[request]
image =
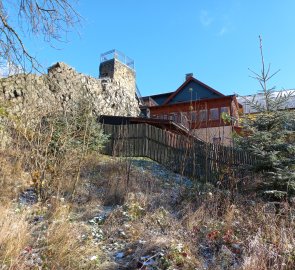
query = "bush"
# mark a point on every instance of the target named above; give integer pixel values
(53, 145)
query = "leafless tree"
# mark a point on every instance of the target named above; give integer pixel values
(49, 19)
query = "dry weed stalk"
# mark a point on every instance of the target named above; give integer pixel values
(14, 235)
(64, 246)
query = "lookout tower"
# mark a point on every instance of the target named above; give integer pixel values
(118, 67)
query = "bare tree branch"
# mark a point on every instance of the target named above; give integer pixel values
(51, 19)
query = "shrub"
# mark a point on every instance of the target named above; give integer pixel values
(53, 145)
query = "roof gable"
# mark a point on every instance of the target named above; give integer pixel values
(192, 89)
(159, 98)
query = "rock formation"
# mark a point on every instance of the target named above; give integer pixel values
(113, 93)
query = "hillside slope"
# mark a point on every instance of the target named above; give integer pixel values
(134, 214)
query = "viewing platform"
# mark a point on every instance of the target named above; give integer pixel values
(115, 54)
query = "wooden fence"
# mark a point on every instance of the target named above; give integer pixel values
(182, 154)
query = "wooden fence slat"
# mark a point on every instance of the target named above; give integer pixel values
(180, 153)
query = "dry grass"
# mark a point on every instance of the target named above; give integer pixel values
(150, 216)
(265, 235)
(116, 179)
(64, 247)
(12, 177)
(62, 240)
(243, 227)
(270, 239)
(14, 235)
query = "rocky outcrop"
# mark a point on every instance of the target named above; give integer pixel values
(63, 87)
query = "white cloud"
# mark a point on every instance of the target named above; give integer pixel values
(226, 25)
(222, 22)
(205, 19)
(223, 31)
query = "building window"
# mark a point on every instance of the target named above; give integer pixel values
(203, 115)
(194, 116)
(224, 110)
(214, 114)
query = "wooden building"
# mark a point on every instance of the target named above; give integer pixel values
(207, 113)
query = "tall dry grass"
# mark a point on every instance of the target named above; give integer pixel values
(14, 236)
(62, 245)
(13, 179)
(262, 234)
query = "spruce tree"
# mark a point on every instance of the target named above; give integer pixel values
(270, 135)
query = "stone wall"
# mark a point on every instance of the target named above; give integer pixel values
(63, 87)
(119, 72)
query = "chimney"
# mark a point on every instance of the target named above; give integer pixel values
(188, 75)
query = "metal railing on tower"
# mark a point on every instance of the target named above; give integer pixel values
(115, 54)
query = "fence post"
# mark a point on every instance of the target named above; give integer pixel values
(186, 155)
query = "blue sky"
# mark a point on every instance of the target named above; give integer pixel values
(216, 40)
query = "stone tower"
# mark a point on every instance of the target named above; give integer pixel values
(120, 69)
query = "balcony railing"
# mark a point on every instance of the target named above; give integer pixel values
(114, 54)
